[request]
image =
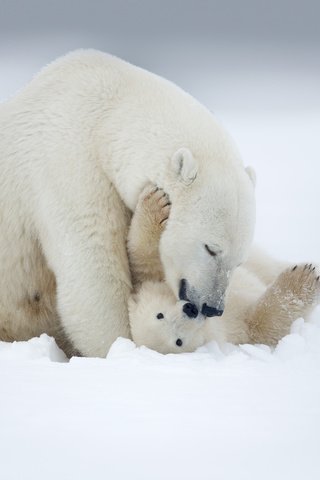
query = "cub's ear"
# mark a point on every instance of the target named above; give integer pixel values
(184, 165)
(252, 175)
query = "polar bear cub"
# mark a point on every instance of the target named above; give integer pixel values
(262, 301)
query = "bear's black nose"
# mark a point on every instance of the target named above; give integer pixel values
(210, 311)
(183, 289)
(190, 310)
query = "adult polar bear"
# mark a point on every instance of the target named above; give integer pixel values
(77, 146)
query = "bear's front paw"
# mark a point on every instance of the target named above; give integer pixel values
(155, 206)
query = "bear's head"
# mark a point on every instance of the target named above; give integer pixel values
(158, 321)
(210, 227)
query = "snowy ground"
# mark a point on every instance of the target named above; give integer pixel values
(242, 413)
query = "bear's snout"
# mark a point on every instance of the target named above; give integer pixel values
(210, 311)
(190, 310)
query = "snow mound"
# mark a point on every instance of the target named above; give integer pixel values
(40, 348)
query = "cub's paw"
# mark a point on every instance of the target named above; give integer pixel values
(300, 284)
(154, 205)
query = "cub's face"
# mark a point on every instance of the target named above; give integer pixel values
(158, 322)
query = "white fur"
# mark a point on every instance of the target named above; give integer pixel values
(161, 334)
(86, 123)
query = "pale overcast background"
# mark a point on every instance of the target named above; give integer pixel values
(255, 64)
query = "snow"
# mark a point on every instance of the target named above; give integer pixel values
(240, 412)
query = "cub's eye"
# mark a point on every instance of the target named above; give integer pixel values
(179, 342)
(160, 316)
(211, 252)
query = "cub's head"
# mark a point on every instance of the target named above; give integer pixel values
(210, 227)
(161, 323)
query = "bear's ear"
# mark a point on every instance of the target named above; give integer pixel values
(252, 175)
(184, 165)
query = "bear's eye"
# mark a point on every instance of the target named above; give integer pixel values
(211, 252)
(179, 342)
(160, 316)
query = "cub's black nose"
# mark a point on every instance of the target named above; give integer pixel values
(210, 311)
(190, 310)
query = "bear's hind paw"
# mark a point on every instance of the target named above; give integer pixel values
(300, 283)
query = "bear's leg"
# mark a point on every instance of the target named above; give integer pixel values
(292, 295)
(84, 242)
(147, 224)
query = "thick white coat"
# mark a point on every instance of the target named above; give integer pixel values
(77, 146)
